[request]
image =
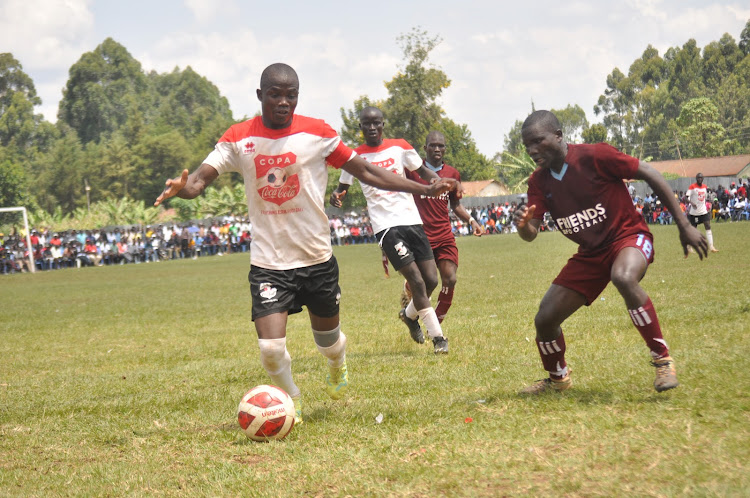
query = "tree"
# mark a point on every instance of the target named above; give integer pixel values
(744, 45)
(702, 135)
(573, 121)
(516, 169)
(104, 87)
(411, 109)
(594, 134)
(461, 152)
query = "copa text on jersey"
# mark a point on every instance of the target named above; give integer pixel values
(582, 219)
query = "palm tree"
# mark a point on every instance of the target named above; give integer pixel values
(517, 168)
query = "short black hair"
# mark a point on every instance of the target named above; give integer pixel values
(545, 118)
(370, 108)
(269, 75)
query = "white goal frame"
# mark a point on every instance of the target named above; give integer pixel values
(32, 266)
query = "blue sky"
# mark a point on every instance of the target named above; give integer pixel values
(500, 56)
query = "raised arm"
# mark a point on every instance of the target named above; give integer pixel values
(382, 179)
(188, 186)
(689, 236)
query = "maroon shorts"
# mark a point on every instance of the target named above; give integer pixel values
(589, 273)
(446, 250)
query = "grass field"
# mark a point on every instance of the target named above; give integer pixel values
(125, 381)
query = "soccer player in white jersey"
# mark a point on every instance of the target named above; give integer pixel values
(397, 224)
(698, 211)
(282, 158)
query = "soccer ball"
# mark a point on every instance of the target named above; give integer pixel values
(266, 413)
(276, 177)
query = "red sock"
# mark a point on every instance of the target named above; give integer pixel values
(445, 299)
(553, 356)
(645, 320)
(385, 265)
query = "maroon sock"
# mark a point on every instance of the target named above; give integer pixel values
(385, 265)
(553, 356)
(645, 320)
(445, 299)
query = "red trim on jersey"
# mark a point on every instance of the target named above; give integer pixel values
(300, 124)
(387, 143)
(255, 128)
(340, 156)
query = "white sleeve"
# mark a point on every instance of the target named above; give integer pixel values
(224, 158)
(412, 161)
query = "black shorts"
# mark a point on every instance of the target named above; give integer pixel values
(404, 244)
(279, 291)
(697, 219)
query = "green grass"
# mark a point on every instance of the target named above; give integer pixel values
(125, 381)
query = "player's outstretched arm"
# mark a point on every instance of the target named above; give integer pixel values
(689, 236)
(527, 225)
(338, 194)
(466, 217)
(384, 180)
(188, 186)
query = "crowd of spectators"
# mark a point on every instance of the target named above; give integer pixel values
(164, 242)
(123, 245)
(725, 204)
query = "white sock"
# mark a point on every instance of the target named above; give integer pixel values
(710, 237)
(278, 364)
(411, 311)
(336, 354)
(431, 322)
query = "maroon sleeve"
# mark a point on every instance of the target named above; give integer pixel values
(536, 196)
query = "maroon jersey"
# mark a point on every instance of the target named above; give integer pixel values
(588, 200)
(434, 210)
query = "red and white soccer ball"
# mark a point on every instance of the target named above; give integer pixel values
(266, 413)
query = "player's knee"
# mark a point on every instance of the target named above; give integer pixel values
(430, 284)
(273, 354)
(546, 324)
(624, 278)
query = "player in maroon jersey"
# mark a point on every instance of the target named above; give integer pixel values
(437, 223)
(582, 187)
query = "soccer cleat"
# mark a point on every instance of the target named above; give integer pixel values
(441, 345)
(713, 249)
(666, 374)
(405, 295)
(414, 329)
(297, 411)
(337, 381)
(549, 384)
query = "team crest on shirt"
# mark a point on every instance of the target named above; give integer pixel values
(267, 292)
(401, 249)
(275, 184)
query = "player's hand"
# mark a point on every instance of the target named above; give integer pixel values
(438, 187)
(523, 214)
(691, 237)
(335, 199)
(478, 230)
(173, 185)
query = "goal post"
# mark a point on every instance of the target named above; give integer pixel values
(32, 267)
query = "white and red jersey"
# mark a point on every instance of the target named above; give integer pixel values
(285, 182)
(696, 196)
(389, 209)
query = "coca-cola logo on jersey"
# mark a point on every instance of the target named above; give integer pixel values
(275, 184)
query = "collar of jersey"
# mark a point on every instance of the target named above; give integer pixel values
(559, 176)
(433, 168)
